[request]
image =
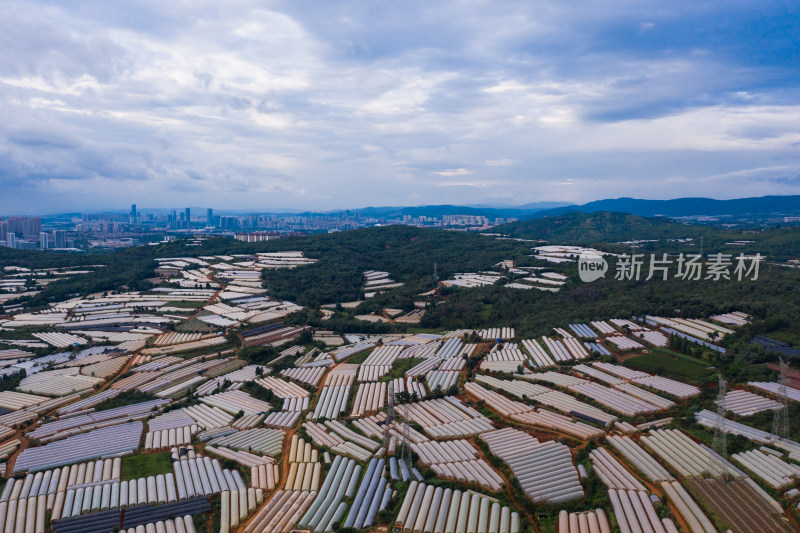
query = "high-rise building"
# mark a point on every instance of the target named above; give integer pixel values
(44, 240)
(23, 226)
(188, 217)
(60, 238)
(11, 240)
(209, 217)
(228, 222)
(133, 214)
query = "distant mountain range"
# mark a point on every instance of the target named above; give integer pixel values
(678, 207)
(440, 210)
(686, 207)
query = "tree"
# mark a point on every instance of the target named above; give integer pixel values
(306, 337)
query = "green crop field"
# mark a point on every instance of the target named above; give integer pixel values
(359, 357)
(400, 366)
(669, 367)
(151, 464)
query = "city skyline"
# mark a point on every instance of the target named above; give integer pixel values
(326, 107)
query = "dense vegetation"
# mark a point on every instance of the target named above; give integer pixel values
(260, 393)
(409, 255)
(587, 228)
(777, 244)
(258, 355)
(125, 398)
(10, 383)
(130, 267)
(776, 294)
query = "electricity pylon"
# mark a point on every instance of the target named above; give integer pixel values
(780, 421)
(719, 459)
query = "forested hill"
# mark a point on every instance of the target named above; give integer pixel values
(683, 207)
(588, 228)
(408, 253)
(776, 244)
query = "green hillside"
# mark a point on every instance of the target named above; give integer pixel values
(407, 253)
(587, 228)
(774, 243)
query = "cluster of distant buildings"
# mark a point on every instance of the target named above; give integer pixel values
(25, 233)
(316, 222)
(209, 222)
(473, 221)
(118, 230)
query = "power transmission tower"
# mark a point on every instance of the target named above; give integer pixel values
(405, 449)
(390, 417)
(720, 444)
(780, 421)
(435, 272)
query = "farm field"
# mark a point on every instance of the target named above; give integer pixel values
(738, 506)
(137, 466)
(257, 413)
(667, 366)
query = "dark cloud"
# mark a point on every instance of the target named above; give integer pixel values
(41, 141)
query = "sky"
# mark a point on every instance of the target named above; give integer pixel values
(327, 105)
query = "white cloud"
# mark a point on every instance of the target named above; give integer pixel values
(468, 184)
(500, 162)
(454, 172)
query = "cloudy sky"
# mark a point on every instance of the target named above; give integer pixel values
(323, 105)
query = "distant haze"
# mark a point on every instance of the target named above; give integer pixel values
(318, 105)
